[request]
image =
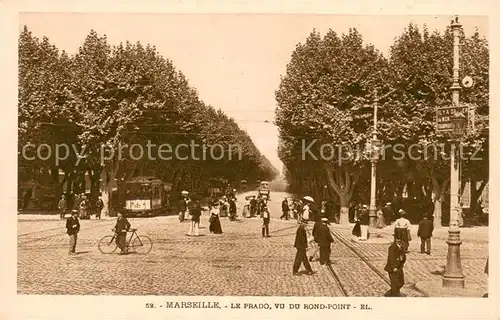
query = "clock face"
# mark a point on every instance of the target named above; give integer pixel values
(467, 82)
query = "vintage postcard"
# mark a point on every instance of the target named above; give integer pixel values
(249, 162)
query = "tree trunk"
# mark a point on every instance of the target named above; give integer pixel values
(438, 202)
(344, 209)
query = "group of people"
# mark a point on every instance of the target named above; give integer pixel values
(254, 205)
(121, 228)
(319, 239)
(82, 205)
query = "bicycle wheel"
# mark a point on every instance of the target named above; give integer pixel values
(107, 244)
(142, 245)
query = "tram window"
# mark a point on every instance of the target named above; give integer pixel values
(156, 192)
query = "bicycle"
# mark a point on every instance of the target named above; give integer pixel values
(140, 245)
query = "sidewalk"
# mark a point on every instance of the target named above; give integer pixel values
(474, 234)
(46, 215)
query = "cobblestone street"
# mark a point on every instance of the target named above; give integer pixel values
(239, 262)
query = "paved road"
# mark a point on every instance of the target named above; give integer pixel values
(239, 262)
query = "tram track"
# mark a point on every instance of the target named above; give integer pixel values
(362, 257)
(40, 235)
(365, 260)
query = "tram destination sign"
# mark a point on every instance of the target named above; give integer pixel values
(444, 117)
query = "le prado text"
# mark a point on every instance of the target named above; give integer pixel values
(256, 306)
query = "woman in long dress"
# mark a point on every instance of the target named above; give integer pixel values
(215, 226)
(246, 208)
(402, 229)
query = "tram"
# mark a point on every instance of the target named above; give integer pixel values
(144, 196)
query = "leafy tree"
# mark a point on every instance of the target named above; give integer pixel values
(421, 64)
(326, 99)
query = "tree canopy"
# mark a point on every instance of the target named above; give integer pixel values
(104, 97)
(328, 94)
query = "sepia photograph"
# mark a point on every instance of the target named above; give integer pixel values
(253, 155)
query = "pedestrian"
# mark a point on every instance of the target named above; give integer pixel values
(182, 209)
(253, 206)
(324, 239)
(306, 210)
(195, 219)
(215, 226)
(388, 214)
(301, 246)
(62, 206)
(232, 209)
(121, 228)
(72, 229)
(356, 231)
(313, 242)
(396, 259)
(380, 219)
(266, 218)
(425, 228)
(402, 229)
(76, 202)
(295, 209)
(285, 209)
(246, 208)
(82, 207)
(99, 207)
(224, 207)
(364, 220)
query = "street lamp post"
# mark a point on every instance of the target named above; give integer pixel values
(375, 150)
(453, 276)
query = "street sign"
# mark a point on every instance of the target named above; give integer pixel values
(444, 116)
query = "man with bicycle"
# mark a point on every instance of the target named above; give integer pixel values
(121, 228)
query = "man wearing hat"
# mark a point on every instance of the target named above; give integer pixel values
(301, 246)
(425, 228)
(324, 239)
(72, 229)
(121, 228)
(396, 259)
(266, 218)
(402, 229)
(387, 212)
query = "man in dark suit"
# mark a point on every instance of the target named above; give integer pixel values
(324, 239)
(285, 209)
(121, 228)
(72, 229)
(301, 246)
(266, 219)
(232, 209)
(253, 206)
(425, 228)
(396, 259)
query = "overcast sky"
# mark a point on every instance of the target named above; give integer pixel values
(234, 61)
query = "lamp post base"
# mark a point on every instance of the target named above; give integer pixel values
(453, 282)
(453, 276)
(372, 226)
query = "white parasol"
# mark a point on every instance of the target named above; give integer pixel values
(308, 198)
(184, 192)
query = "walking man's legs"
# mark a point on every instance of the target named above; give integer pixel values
(196, 228)
(72, 243)
(422, 245)
(301, 258)
(322, 255)
(191, 228)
